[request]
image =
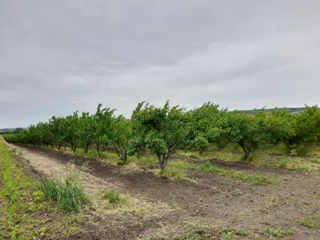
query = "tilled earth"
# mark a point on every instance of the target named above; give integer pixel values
(213, 202)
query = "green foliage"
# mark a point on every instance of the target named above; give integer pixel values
(196, 234)
(311, 221)
(227, 236)
(295, 129)
(206, 126)
(68, 193)
(52, 189)
(248, 131)
(174, 174)
(114, 198)
(278, 232)
(200, 143)
(120, 136)
(161, 131)
(237, 175)
(24, 210)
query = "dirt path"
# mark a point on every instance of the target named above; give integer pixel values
(51, 168)
(227, 203)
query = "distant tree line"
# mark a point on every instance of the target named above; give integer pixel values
(10, 130)
(161, 131)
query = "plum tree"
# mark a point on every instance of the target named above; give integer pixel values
(160, 130)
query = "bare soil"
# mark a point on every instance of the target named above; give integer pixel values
(209, 200)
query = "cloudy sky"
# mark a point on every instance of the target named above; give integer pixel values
(65, 55)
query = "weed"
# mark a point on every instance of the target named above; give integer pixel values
(252, 178)
(196, 234)
(52, 189)
(227, 236)
(283, 163)
(68, 193)
(278, 232)
(174, 174)
(114, 197)
(311, 222)
(23, 209)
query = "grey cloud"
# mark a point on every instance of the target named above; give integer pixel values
(60, 56)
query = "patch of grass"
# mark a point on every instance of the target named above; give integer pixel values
(229, 156)
(52, 189)
(196, 234)
(305, 158)
(114, 197)
(295, 163)
(278, 232)
(227, 236)
(234, 231)
(68, 193)
(237, 175)
(144, 159)
(24, 212)
(173, 174)
(311, 221)
(180, 163)
(125, 203)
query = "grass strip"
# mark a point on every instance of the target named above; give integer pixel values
(254, 179)
(24, 211)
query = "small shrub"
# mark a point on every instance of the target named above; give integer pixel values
(114, 197)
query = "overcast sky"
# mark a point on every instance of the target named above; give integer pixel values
(65, 55)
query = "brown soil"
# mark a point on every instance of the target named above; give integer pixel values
(211, 200)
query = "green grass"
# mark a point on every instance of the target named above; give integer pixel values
(114, 198)
(52, 189)
(171, 173)
(311, 221)
(227, 236)
(68, 193)
(278, 232)
(196, 234)
(24, 212)
(237, 175)
(265, 157)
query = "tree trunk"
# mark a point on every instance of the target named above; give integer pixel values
(124, 156)
(74, 148)
(59, 147)
(201, 150)
(99, 150)
(246, 152)
(86, 149)
(289, 148)
(163, 159)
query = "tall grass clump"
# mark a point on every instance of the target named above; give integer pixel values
(114, 198)
(68, 193)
